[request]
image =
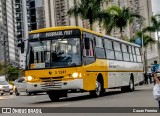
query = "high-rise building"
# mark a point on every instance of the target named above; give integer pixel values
(36, 16)
(22, 27)
(142, 7)
(56, 13)
(9, 51)
(29, 16)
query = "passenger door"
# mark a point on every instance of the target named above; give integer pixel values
(21, 85)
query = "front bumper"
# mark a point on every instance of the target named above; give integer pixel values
(6, 91)
(58, 85)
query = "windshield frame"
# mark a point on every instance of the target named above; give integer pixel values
(51, 39)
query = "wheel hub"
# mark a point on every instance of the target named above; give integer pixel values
(98, 88)
(131, 84)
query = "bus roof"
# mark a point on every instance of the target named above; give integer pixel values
(58, 28)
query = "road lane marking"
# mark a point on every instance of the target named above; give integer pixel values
(7, 97)
(62, 105)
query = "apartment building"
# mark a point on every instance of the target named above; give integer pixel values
(29, 16)
(9, 51)
(56, 13)
(22, 27)
(35, 12)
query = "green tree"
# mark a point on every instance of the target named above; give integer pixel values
(146, 41)
(13, 73)
(155, 27)
(2, 68)
(122, 17)
(106, 20)
(87, 9)
(146, 38)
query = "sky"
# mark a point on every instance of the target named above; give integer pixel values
(156, 6)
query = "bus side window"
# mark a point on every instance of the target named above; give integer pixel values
(117, 48)
(125, 52)
(138, 54)
(88, 48)
(134, 54)
(130, 53)
(99, 48)
(88, 51)
(108, 44)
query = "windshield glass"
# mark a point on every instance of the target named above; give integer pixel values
(3, 83)
(54, 53)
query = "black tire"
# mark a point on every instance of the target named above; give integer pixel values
(11, 93)
(16, 92)
(29, 93)
(2, 93)
(130, 87)
(98, 90)
(34, 93)
(53, 97)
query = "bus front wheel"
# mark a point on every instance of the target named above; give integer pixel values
(98, 90)
(53, 96)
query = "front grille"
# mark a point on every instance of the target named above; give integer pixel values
(51, 82)
(50, 79)
(51, 85)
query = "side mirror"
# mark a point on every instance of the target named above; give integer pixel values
(87, 44)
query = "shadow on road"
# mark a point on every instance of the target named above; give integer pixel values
(37, 94)
(84, 97)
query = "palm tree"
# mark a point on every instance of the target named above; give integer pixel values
(106, 20)
(122, 16)
(87, 9)
(146, 41)
(155, 27)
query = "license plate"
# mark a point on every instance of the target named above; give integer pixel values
(6, 90)
(49, 84)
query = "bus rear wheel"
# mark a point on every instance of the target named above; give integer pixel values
(98, 90)
(130, 87)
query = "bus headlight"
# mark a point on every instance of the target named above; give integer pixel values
(29, 78)
(75, 75)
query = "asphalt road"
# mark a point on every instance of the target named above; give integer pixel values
(142, 97)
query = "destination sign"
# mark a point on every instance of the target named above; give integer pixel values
(55, 34)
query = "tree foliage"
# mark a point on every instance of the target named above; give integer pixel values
(87, 9)
(146, 39)
(11, 72)
(155, 27)
(121, 17)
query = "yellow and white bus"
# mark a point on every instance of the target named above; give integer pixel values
(60, 59)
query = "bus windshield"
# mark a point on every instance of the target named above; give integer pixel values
(54, 53)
